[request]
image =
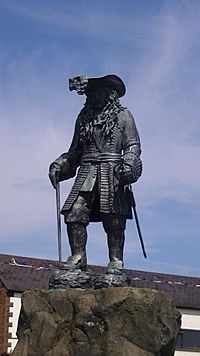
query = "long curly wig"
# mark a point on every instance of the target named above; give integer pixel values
(105, 120)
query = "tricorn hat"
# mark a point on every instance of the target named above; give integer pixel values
(83, 84)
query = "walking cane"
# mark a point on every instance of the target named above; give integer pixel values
(58, 223)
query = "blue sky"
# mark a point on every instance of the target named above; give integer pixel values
(154, 47)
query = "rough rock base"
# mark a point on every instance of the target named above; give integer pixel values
(103, 322)
(62, 279)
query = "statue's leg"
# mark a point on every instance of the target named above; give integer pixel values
(77, 220)
(77, 236)
(114, 226)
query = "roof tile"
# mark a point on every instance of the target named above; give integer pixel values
(35, 274)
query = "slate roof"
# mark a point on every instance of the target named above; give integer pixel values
(35, 274)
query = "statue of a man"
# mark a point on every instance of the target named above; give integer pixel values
(106, 148)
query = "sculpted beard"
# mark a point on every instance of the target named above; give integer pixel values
(105, 120)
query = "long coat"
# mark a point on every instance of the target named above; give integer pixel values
(110, 162)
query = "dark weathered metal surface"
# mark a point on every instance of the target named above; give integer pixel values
(106, 148)
(58, 223)
(61, 279)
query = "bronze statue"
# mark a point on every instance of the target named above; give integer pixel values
(106, 148)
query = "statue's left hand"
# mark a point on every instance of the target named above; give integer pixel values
(125, 174)
(54, 173)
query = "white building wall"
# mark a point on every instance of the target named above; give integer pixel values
(186, 353)
(190, 320)
(15, 310)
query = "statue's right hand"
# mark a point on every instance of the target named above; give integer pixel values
(54, 172)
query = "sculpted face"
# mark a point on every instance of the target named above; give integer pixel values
(98, 97)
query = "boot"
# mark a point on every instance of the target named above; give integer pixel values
(116, 249)
(77, 235)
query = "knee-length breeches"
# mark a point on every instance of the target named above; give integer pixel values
(81, 209)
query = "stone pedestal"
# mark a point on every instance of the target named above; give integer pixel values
(119, 321)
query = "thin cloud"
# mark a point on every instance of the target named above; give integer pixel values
(168, 125)
(93, 18)
(157, 61)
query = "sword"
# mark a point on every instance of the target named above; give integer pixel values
(138, 226)
(58, 223)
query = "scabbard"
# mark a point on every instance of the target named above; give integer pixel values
(138, 226)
